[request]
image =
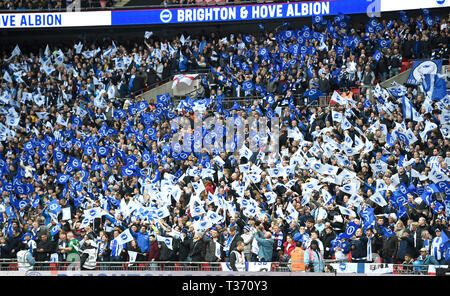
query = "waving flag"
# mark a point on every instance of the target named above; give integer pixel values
(378, 199)
(397, 90)
(248, 86)
(350, 230)
(167, 240)
(409, 112)
(368, 217)
(54, 206)
(377, 55)
(313, 93)
(433, 86)
(387, 232)
(422, 68)
(346, 211)
(384, 43)
(183, 78)
(124, 237)
(63, 178)
(93, 213)
(263, 52)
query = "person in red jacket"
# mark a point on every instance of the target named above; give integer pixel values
(288, 247)
(153, 254)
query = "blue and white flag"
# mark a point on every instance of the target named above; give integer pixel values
(378, 199)
(93, 213)
(350, 230)
(433, 85)
(409, 112)
(377, 55)
(387, 232)
(161, 213)
(384, 43)
(368, 217)
(313, 93)
(55, 229)
(63, 178)
(54, 206)
(346, 211)
(124, 237)
(167, 240)
(421, 68)
(397, 90)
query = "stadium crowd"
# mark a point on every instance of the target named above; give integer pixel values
(84, 160)
(58, 5)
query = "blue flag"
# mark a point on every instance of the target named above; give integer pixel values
(350, 231)
(54, 206)
(313, 93)
(377, 55)
(434, 86)
(387, 232)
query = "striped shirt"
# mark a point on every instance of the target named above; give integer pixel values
(116, 248)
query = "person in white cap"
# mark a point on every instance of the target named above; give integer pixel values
(424, 260)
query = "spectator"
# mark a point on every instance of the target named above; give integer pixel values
(237, 258)
(154, 250)
(358, 247)
(297, 258)
(424, 260)
(43, 249)
(390, 249)
(197, 253)
(25, 260)
(143, 240)
(313, 259)
(406, 246)
(288, 247)
(265, 244)
(247, 237)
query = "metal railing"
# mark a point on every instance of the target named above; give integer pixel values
(11, 265)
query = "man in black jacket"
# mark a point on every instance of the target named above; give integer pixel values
(197, 253)
(43, 249)
(185, 245)
(395, 63)
(12, 243)
(235, 237)
(326, 237)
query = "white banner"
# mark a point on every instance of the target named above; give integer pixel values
(55, 19)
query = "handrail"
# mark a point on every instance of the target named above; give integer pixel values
(197, 266)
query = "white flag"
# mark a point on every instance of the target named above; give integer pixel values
(378, 199)
(124, 237)
(93, 213)
(336, 97)
(132, 255)
(78, 47)
(7, 77)
(348, 212)
(16, 51)
(167, 240)
(148, 34)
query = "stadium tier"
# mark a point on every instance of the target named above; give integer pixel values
(292, 144)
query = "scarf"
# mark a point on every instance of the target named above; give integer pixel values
(369, 249)
(279, 240)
